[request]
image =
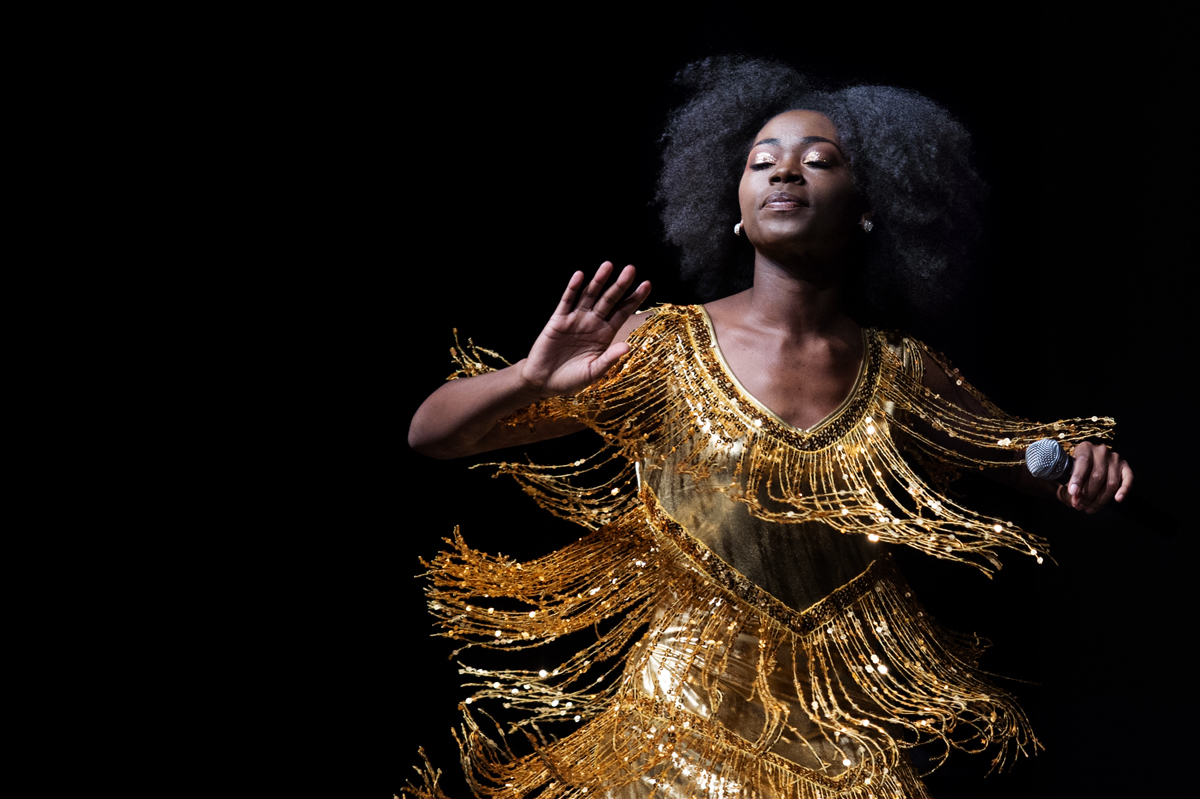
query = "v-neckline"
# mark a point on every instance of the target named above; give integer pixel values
(828, 419)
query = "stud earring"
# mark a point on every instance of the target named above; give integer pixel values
(866, 225)
(737, 229)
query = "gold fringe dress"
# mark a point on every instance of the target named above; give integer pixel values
(751, 639)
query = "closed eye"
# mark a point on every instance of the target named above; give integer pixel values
(763, 160)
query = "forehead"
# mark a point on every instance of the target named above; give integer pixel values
(798, 124)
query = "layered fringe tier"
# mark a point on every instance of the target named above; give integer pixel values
(717, 689)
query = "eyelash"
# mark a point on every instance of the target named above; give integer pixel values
(817, 162)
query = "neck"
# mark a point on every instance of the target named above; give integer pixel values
(797, 302)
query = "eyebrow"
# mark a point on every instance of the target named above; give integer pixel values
(805, 140)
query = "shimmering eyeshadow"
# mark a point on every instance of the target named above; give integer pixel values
(764, 158)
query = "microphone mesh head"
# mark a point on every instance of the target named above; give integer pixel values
(1045, 459)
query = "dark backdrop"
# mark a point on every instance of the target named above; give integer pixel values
(535, 155)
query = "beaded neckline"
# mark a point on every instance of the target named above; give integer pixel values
(825, 432)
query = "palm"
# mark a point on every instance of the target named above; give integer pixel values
(577, 345)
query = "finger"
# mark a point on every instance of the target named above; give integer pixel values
(631, 303)
(568, 298)
(616, 291)
(1083, 467)
(1112, 480)
(1126, 482)
(611, 355)
(1097, 479)
(594, 287)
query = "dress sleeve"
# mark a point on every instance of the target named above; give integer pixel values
(950, 425)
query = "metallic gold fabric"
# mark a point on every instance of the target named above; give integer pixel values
(757, 645)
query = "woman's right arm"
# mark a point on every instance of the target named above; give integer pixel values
(584, 337)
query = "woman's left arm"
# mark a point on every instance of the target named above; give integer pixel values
(1099, 473)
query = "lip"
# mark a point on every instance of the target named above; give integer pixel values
(782, 201)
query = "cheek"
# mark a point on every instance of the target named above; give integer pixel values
(742, 191)
(853, 199)
(843, 200)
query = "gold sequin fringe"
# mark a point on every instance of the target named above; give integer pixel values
(856, 677)
(672, 403)
(430, 779)
(472, 360)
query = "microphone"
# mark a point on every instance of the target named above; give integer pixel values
(1046, 460)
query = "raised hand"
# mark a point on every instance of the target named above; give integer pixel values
(1100, 474)
(576, 347)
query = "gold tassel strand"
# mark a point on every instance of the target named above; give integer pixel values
(430, 777)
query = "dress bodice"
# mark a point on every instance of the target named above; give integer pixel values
(798, 562)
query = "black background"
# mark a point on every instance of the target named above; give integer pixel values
(526, 148)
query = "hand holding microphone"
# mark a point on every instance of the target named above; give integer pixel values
(1088, 481)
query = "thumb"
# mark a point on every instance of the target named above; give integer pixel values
(614, 353)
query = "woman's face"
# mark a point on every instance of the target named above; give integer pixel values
(797, 195)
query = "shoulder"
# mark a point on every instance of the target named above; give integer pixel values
(907, 350)
(651, 321)
(920, 364)
(726, 312)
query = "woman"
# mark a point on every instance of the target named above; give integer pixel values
(760, 642)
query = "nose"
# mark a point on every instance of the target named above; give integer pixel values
(784, 172)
